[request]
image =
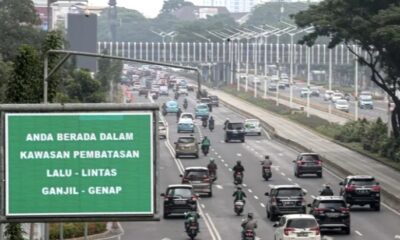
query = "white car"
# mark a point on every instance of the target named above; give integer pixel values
(328, 95)
(187, 115)
(162, 129)
(297, 227)
(336, 96)
(342, 105)
(136, 86)
(252, 126)
(163, 90)
(304, 92)
(183, 90)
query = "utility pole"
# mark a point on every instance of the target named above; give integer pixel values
(112, 18)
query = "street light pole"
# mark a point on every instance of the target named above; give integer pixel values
(356, 85)
(330, 79)
(291, 71)
(308, 79)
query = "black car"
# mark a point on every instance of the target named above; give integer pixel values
(143, 91)
(331, 212)
(308, 163)
(214, 100)
(235, 131)
(178, 199)
(285, 199)
(361, 190)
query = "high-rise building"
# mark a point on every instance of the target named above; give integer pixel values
(233, 5)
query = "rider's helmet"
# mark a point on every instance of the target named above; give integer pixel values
(327, 186)
(239, 188)
(250, 215)
(193, 207)
(211, 159)
(266, 157)
(238, 162)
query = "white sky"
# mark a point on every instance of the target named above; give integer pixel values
(149, 8)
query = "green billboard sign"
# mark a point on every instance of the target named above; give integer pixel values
(75, 164)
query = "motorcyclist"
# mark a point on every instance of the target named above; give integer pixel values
(238, 168)
(211, 123)
(226, 123)
(192, 216)
(267, 162)
(178, 114)
(205, 143)
(249, 224)
(204, 121)
(239, 195)
(326, 191)
(212, 167)
(185, 103)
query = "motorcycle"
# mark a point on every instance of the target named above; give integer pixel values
(211, 126)
(176, 96)
(164, 112)
(185, 105)
(205, 149)
(204, 122)
(249, 235)
(192, 229)
(238, 178)
(266, 172)
(213, 175)
(238, 207)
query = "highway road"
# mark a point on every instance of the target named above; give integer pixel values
(218, 220)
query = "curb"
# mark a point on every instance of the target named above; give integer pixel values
(390, 199)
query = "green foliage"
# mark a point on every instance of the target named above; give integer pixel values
(375, 134)
(76, 230)
(353, 131)
(5, 75)
(171, 6)
(14, 231)
(25, 84)
(83, 88)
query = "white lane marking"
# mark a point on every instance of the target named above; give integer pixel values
(358, 233)
(226, 165)
(213, 226)
(397, 237)
(283, 174)
(219, 186)
(230, 169)
(216, 153)
(255, 196)
(305, 190)
(210, 229)
(202, 205)
(258, 141)
(267, 134)
(262, 205)
(327, 238)
(222, 141)
(166, 239)
(257, 238)
(289, 179)
(219, 156)
(280, 154)
(212, 149)
(239, 154)
(244, 185)
(270, 185)
(250, 191)
(222, 160)
(312, 196)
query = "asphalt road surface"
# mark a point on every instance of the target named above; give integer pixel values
(218, 220)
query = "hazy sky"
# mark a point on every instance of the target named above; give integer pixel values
(149, 8)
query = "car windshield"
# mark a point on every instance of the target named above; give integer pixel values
(301, 223)
(186, 140)
(196, 175)
(205, 100)
(235, 126)
(214, 97)
(344, 102)
(201, 107)
(289, 192)
(180, 192)
(363, 182)
(186, 115)
(366, 97)
(251, 123)
(332, 204)
(310, 158)
(172, 104)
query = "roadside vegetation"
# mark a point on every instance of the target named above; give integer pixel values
(75, 230)
(366, 137)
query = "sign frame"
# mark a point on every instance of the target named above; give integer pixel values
(150, 109)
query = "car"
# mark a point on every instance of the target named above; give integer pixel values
(187, 146)
(328, 95)
(281, 85)
(214, 100)
(274, 78)
(304, 92)
(361, 190)
(178, 199)
(252, 126)
(342, 105)
(365, 100)
(155, 88)
(331, 212)
(163, 90)
(185, 125)
(285, 82)
(314, 92)
(143, 91)
(205, 100)
(171, 106)
(162, 129)
(235, 131)
(199, 178)
(136, 86)
(336, 96)
(201, 110)
(187, 115)
(190, 88)
(308, 163)
(285, 199)
(182, 90)
(297, 227)
(272, 86)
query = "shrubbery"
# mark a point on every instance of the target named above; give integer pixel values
(75, 230)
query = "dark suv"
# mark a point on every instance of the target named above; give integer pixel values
(214, 100)
(331, 213)
(285, 199)
(361, 190)
(308, 163)
(235, 131)
(199, 178)
(178, 198)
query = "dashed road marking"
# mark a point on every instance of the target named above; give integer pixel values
(262, 205)
(358, 233)
(250, 191)
(289, 179)
(222, 160)
(202, 205)
(212, 149)
(226, 165)
(258, 141)
(312, 196)
(397, 237)
(270, 185)
(222, 141)
(219, 156)
(283, 174)
(280, 154)
(244, 185)
(305, 190)
(255, 196)
(230, 169)
(239, 154)
(219, 186)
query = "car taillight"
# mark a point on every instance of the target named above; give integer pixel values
(194, 198)
(185, 180)
(287, 231)
(320, 210)
(206, 179)
(319, 162)
(376, 188)
(344, 210)
(350, 188)
(316, 230)
(166, 198)
(273, 201)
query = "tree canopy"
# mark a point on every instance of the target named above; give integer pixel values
(373, 25)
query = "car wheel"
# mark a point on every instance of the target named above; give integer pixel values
(196, 155)
(242, 140)
(165, 215)
(176, 155)
(296, 174)
(226, 140)
(210, 194)
(259, 134)
(319, 175)
(376, 207)
(178, 131)
(272, 217)
(347, 231)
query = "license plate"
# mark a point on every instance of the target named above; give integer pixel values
(288, 203)
(180, 202)
(193, 227)
(332, 214)
(196, 182)
(366, 191)
(302, 234)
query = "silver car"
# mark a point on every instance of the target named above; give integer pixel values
(252, 126)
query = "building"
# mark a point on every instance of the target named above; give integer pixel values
(233, 5)
(190, 13)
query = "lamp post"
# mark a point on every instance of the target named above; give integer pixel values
(356, 85)
(308, 79)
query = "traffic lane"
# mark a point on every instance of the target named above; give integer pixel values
(285, 176)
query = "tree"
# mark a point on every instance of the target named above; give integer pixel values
(18, 20)
(25, 84)
(14, 231)
(171, 6)
(374, 26)
(83, 88)
(5, 74)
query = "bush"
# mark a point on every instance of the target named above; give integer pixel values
(375, 134)
(352, 131)
(74, 230)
